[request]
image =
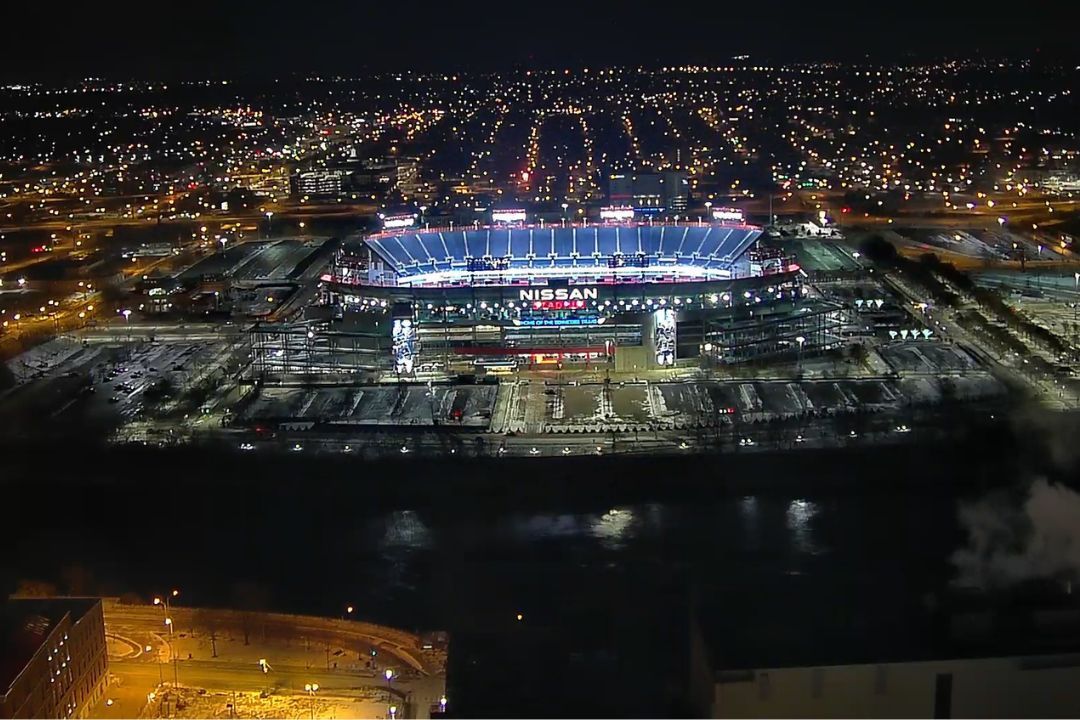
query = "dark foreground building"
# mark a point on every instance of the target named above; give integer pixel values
(53, 662)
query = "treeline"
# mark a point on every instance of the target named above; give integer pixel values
(926, 271)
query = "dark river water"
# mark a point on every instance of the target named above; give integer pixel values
(775, 558)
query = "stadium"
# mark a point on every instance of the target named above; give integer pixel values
(628, 296)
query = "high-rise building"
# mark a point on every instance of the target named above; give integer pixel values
(53, 661)
(650, 193)
(319, 183)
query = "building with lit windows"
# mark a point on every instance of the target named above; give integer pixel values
(54, 662)
(621, 296)
(318, 183)
(650, 193)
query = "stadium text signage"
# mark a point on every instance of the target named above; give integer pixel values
(549, 294)
(558, 321)
(508, 216)
(730, 214)
(616, 213)
(397, 222)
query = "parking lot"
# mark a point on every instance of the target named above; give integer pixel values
(410, 405)
(595, 407)
(103, 384)
(928, 357)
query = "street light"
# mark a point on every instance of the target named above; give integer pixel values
(172, 653)
(311, 688)
(389, 675)
(164, 604)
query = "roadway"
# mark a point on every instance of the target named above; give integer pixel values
(143, 655)
(402, 645)
(945, 318)
(216, 675)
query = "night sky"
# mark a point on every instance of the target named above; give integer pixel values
(273, 38)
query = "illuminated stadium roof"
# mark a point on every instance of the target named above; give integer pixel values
(684, 251)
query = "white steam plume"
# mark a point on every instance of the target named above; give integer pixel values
(1007, 544)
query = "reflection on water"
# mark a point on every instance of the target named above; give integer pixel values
(428, 564)
(404, 530)
(612, 528)
(748, 511)
(544, 526)
(800, 515)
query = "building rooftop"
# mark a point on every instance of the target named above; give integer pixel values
(1030, 619)
(24, 625)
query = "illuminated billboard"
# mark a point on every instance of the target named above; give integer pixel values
(398, 222)
(620, 213)
(728, 215)
(664, 339)
(508, 216)
(403, 335)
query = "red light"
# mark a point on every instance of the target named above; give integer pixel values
(845, 209)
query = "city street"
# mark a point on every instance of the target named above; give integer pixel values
(265, 653)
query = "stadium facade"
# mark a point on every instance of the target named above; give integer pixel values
(629, 296)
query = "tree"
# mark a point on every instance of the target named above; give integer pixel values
(879, 250)
(35, 589)
(859, 353)
(208, 621)
(248, 596)
(78, 580)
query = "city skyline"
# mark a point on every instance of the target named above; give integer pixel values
(264, 40)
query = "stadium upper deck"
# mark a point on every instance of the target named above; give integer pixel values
(680, 252)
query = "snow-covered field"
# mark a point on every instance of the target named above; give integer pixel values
(198, 703)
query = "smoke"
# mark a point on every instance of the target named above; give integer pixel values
(1049, 435)
(1009, 544)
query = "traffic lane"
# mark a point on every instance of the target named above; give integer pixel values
(403, 646)
(214, 675)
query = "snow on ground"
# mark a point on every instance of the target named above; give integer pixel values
(199, 703)
(43, 358)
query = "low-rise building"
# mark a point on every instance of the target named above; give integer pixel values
(1003, 654)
